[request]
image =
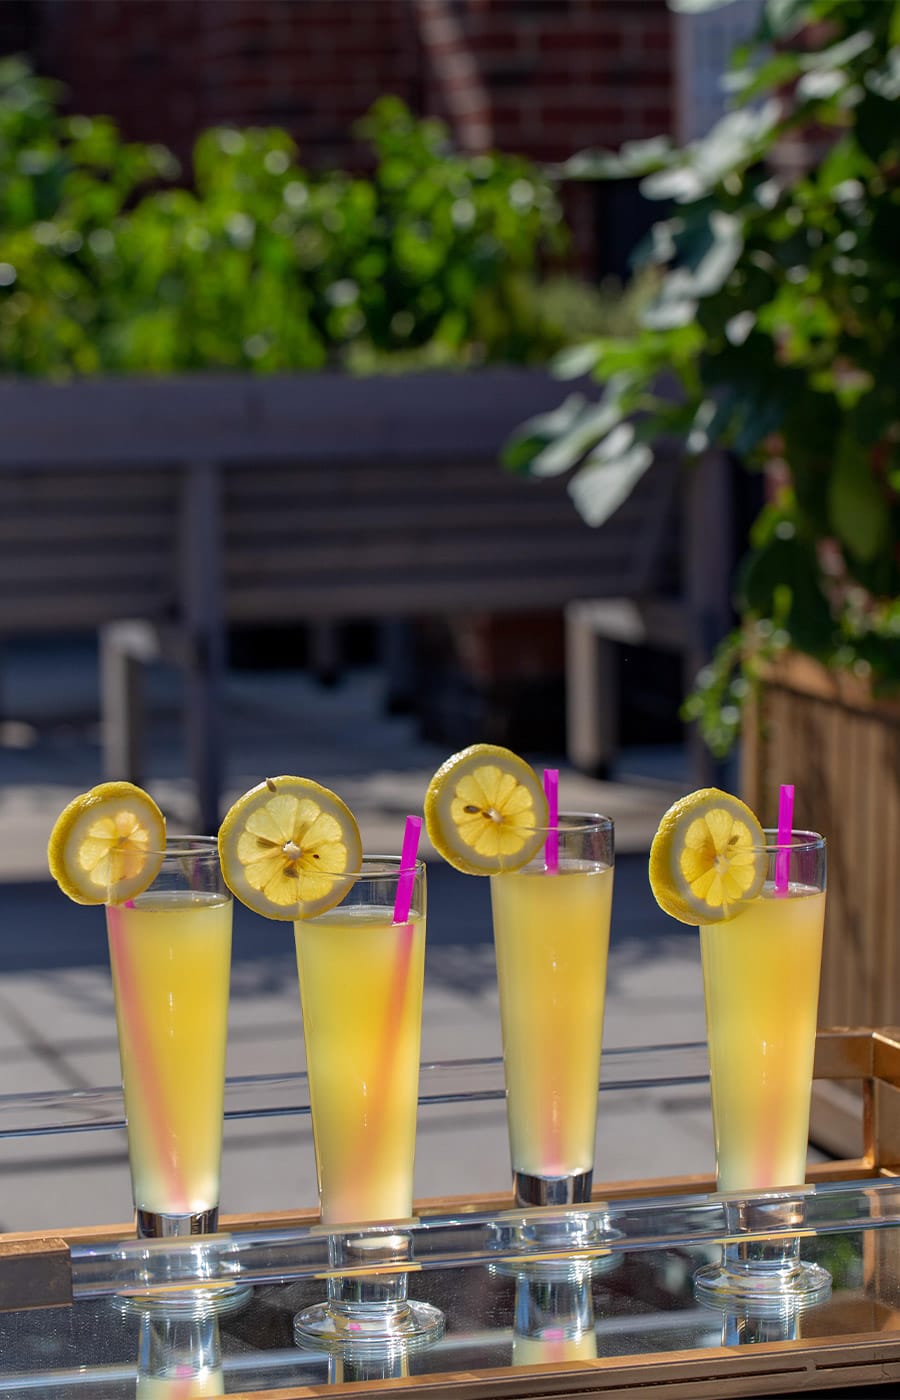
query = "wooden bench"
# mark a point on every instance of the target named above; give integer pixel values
(163, 512)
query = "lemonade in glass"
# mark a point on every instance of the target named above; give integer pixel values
(551, 937)
(758, 899)
(291, 849)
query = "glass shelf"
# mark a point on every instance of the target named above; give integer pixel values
(470, 1238)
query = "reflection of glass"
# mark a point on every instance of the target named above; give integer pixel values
(748, 1325)
(554, 1317)
(361, 978)
(179, 1359)
(761, 984)
(170, 952)
(353, 1364)
(551, 933)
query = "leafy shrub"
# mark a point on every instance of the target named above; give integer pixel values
(107, 265)
(777, 316)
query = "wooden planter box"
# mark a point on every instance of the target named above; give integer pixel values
(825, 733)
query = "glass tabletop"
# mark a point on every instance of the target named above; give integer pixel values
(591, 1288)
(583, 1300)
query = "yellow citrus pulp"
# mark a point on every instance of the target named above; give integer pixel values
(107, 845)
(289, 848)
(485, 810)
(706, 860)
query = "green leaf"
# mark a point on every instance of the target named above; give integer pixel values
(674, 307)
(755, 415)
(876, 127)
(885, 82)
(857, 508)
(735, 141)
(781, 580)
(576, 361)
(844, 161)
(749, 81)
(609, 475)
(838, 55)
(633, 158)
(783, 19)
(595, 422)
(713, 249)
(534, 435)
(713, 263)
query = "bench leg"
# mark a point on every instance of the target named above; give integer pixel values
(592, 696)
(125, 648)
(397, 653)
(325, 653)
(201, 580)
(203, 708)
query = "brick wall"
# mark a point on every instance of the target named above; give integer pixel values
(541, 77)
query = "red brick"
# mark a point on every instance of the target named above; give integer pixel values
(657, 40)
(558, 76)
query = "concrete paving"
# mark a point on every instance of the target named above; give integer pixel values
(57, 1028)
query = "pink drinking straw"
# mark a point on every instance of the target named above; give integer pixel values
(785, 828)
(408, 852)
(551, 847)
(400, 981)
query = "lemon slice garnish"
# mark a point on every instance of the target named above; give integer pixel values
(705, 859)
(484, 809)
(107, 845)
(289, 848)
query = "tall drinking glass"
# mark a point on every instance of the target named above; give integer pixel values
(761, 986)
(551, 935)
(361, 981)
(170, 954)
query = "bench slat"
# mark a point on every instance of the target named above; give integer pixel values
(84, 611)
(293, 518)
(91, 489)
(74, 534)
(367, 553)
(400, 596)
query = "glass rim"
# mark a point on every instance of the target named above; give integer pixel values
(577, 821)
(801, 841)
(186, 845)
(377, 867)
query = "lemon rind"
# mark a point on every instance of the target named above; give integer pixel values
(234, 825)
(671, 889)
(442, 829)
(84, 809)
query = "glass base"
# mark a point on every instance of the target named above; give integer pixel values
(761, 1264)
(212, 1300)
(571, 1190)
(766, 1292)
(368, 1327)
(546, 1248)
(156, 1225)
(187, 1299)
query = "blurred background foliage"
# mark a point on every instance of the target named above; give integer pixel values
(107, 264)
(774, 333)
